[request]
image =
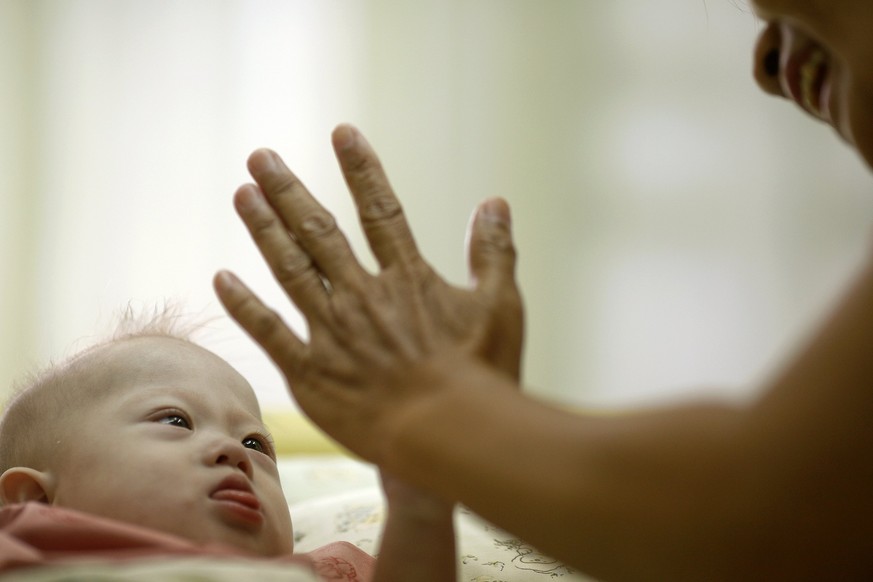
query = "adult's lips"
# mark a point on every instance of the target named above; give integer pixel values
(807, 74)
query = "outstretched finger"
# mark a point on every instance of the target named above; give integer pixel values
(264, 325)
(491, 251)
(380, 212)
(313, 226)
(290, 264)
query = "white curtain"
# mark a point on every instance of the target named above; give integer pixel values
(678, 231)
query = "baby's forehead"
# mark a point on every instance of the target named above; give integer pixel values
(154, 364)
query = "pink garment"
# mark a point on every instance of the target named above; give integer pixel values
(34, 534)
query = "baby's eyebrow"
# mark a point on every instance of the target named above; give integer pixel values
(158, 395)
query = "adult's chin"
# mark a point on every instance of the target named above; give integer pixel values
(859, 131)
(865, 148)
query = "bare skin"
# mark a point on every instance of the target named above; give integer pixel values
(703, 491)
(842, 90)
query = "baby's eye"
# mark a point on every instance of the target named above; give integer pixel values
(258, 443)
(175, 420)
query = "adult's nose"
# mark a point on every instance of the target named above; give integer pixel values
(769, 58)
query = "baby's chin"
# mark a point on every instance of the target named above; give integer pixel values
(268, 544)
(866, 151)
(858, 132)
(264, 546)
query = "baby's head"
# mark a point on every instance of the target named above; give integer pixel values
(152, 430)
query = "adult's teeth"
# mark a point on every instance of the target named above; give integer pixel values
(810, 73)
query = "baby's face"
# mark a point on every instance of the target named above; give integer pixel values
(173, 440)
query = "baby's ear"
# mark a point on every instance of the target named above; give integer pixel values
(21, 484)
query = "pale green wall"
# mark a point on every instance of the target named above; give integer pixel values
(676, 228)
(19, 198)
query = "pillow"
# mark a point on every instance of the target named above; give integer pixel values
(486, 553)
(308, 476)
(353, 516)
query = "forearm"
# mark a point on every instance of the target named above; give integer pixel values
(622, 497)
(693, 492)
(777, 489)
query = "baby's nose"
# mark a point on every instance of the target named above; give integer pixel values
(233, 454)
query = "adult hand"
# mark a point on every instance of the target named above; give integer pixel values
(367, 333)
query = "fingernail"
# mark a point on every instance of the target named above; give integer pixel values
(263, 161)
(274, 162)
(224, 280)
(345, 136)
(248, 198)
(495, 210)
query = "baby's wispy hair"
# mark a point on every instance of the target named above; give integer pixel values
(27, 431)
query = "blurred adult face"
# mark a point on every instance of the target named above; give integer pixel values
(819, 54)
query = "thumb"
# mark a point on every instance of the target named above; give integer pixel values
(490, 248)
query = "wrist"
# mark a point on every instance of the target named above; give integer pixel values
(448, 395)
(431, 510)
(413, 503)
(425, 394)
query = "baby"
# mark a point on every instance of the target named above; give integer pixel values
(161, 435)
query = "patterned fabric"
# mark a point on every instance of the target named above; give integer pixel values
(485, 552)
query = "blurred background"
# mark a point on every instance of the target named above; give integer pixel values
(679, 233)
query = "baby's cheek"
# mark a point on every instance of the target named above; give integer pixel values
(281, 539)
